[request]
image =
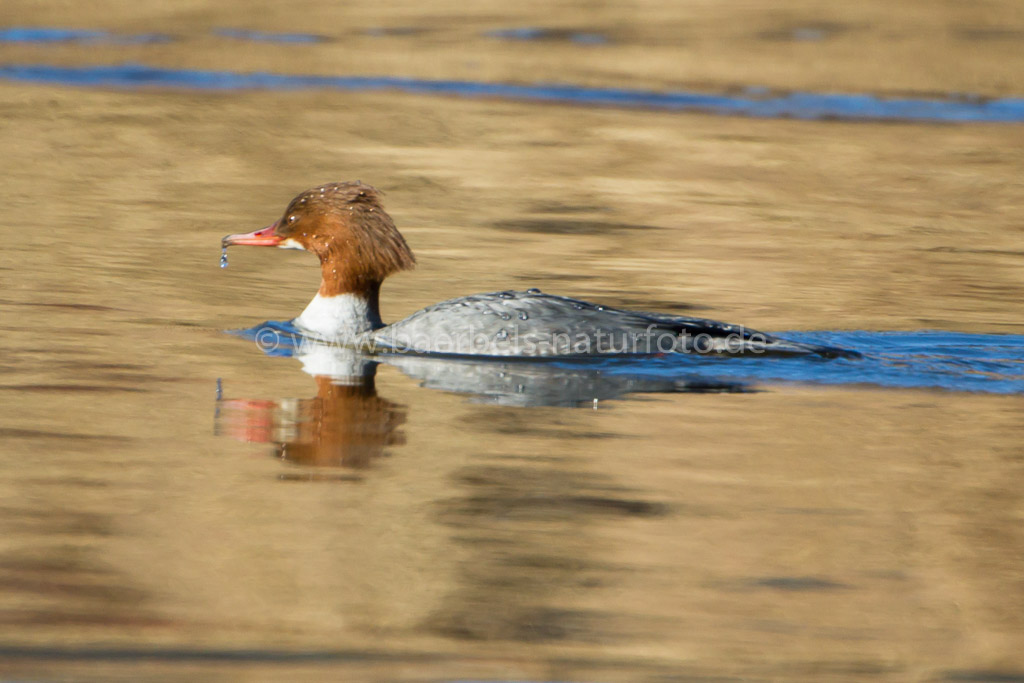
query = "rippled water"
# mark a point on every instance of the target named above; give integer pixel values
(757, 103)
(181, 503)
(44, 35)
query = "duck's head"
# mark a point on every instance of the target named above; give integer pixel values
(346, 226)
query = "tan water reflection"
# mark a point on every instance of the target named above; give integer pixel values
(343, 425)
(792, 534)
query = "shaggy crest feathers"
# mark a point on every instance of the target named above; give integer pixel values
(346, 226)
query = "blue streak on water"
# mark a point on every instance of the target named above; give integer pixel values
(525, 33)
(589, 39)
(794, 105)
(530, 33)
(25, 34)
(952, 361)
(268, 37)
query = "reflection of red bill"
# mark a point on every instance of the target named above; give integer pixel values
(246, 420)
(264, 237)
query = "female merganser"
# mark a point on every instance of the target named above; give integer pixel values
(358, 245)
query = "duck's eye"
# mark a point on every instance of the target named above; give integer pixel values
(292, 218)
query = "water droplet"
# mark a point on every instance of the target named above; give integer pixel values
(533, 290)
(223, 257)
(523, 315)
(578, 307)
(502, 335)
(600, 308)
(506, 295)
(505, 316)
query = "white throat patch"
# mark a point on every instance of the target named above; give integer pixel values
(291, 244)
(338, 317)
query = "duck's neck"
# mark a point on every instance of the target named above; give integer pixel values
(340, 310)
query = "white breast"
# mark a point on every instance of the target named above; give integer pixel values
(337, 317)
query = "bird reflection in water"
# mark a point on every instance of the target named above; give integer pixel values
(348, 425)
(345, 425)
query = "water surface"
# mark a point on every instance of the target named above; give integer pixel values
(177, 504)
(757, 103)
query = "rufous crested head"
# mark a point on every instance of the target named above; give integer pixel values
(346, 226)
